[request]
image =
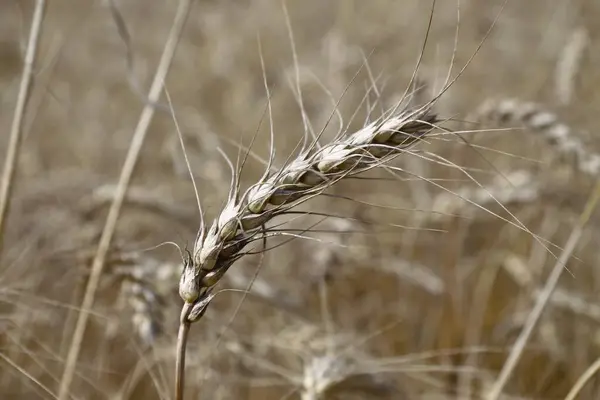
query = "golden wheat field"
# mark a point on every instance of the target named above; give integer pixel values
(460, 263)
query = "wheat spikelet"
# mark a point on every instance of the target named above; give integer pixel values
(538, 119)
(309, 174)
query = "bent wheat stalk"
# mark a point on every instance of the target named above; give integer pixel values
(243, 218)
(316, 168)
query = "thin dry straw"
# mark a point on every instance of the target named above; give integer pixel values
(583, 379)
(544, 297)
(569, 64)
(114, 211)
(26, 373)
(12, 153)
(562, 299)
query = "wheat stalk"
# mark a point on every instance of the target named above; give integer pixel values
(16, 129)
(583, 379)
(124, 179)
(315, 169)
(544, 296)
(566, 300)
(569, 64)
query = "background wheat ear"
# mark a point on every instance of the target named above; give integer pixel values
(565, 139)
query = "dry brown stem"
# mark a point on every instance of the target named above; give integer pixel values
(544, 297)
(12, 153)
(113, 214)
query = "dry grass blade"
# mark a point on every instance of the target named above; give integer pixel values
(583, 379)
(569, 64)
(113, 214)
(561, 299)
(25, 373)
(12, 153)
(544, 297)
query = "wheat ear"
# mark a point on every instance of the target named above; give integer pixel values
(315, 169)
(548, 125)
(243, 218)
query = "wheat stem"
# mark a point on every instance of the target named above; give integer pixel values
(184, 328)
(124, 179)
(544, 297)
(16, 130)
(583, 379)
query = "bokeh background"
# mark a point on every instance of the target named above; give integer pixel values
(394, 301)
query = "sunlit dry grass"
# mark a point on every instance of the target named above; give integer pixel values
(416, 286)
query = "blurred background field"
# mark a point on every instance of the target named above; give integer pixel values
(368, 309)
